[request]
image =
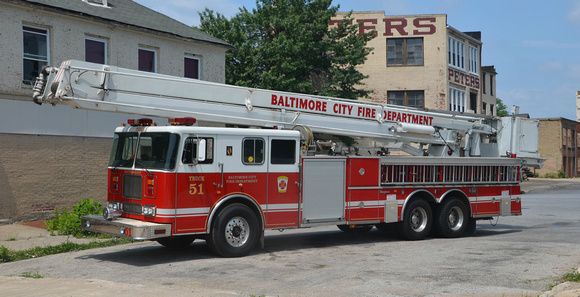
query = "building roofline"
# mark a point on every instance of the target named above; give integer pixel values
(80, 14)
(479, 42)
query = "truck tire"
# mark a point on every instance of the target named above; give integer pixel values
(451, 218)
(177, 241)
(417, 220)
(471, 227)
(234, 232)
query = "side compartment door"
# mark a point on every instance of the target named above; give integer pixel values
(323, 190)
(283, 177)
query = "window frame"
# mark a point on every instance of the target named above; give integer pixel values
(146, 49)
(405, 51)
(406, 98)
(456, 49)
(105, 50)
(190, 57)
(457, 100)
(473, 60)
(275, 153)
(245, 159)
(31, 29)
(209, 150)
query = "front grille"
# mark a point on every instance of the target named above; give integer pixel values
(132, 208)
(132, 186)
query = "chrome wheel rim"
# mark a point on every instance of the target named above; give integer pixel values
(237, 231)
(455, 218)
(418, 219)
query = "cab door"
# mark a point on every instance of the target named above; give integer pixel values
(283, 186)
(196, 177)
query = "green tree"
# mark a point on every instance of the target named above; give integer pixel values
(288, 45)
(501, 109)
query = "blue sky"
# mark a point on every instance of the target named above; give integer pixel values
(534, 45)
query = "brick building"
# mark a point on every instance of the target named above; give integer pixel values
(578, 106)
(51, 157)
(420, 61)
(560, 146)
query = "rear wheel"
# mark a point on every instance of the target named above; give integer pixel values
(177, 241)
(451, 218)
(417, 220)
(234, 232)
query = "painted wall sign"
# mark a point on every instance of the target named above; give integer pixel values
(464, 79)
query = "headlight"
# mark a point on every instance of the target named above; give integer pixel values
(149, 210)
(112, 210)
(116, 205)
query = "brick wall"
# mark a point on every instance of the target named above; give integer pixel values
(40, 173)
(550, 145)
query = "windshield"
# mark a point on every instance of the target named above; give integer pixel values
(147, 150)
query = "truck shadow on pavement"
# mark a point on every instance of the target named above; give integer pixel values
(144, 254)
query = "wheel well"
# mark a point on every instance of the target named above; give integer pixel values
(461, 196)
(419, 194)
(253, 205)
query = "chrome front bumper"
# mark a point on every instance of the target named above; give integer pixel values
(127, 228)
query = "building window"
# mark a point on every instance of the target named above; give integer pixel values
(147, 60)
(404, 51)
(473, 60)
(491, 85)
(456, 100)
(484, 76)
(95, 50)
(406, 98)
(456, 53)
(191, 67)
(35, 52)
(473, 101)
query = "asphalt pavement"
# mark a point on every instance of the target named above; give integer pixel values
(26, 235)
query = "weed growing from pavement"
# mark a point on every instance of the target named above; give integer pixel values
(32, 275)
(7, 255)
(573, 276)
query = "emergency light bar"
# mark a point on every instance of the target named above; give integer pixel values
(186, 121)
(140, 122)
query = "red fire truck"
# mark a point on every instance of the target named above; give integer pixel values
(180, 182)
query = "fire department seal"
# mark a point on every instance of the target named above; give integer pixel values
(282, 184)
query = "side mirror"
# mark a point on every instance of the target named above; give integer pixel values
(201, 148)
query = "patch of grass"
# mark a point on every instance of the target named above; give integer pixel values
(7, 255)
(32, 275)
(11, 239)
(573, 276)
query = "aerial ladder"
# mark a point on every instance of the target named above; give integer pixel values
(174, 184)
(90, 86)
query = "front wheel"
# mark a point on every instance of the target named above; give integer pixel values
(451, 218)
(234, 232)
(417, 220)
